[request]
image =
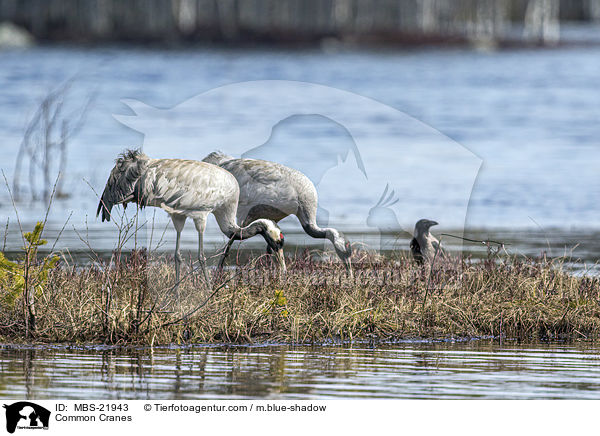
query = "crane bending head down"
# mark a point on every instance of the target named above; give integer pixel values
(273, 191)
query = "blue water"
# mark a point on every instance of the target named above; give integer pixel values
(495, 140)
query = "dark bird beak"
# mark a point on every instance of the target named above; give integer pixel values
(433, 223)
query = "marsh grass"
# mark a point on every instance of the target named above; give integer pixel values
(131, 300)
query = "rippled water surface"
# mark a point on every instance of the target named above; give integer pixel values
(481, 370)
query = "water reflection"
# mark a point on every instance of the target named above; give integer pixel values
(439, 370)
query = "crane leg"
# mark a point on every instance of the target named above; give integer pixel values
(200, 226)
(178, 222)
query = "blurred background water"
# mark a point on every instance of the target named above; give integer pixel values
(530, 115)
(506, 142)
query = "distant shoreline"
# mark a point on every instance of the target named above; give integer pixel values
(391, 23)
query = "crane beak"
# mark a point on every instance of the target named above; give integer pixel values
(348, 265)
(278, 254)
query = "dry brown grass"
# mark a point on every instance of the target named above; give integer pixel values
(132, 301)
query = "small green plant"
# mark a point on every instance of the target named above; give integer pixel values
(278, 304)
(27, 277)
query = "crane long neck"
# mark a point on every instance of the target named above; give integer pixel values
(238, 233)
(228, 224)
(313, 230)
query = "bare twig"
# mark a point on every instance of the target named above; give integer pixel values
(486, 242)
(12, 199)
(44, 145)
(61, 232)
(5, 234)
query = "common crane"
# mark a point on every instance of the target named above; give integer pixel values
(274, 191)
(184, 189)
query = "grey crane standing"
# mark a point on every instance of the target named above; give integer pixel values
(424, 245)
(184, 189)
(274, 191)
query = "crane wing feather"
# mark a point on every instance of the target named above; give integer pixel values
(264, 183)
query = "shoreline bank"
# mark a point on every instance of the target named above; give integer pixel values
(131, 302)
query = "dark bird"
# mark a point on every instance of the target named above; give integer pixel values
(424, 245)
